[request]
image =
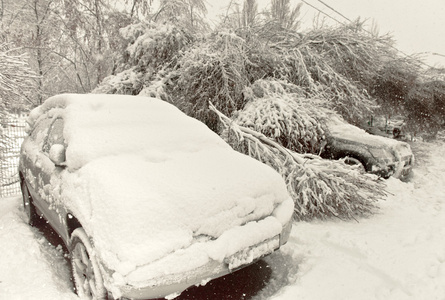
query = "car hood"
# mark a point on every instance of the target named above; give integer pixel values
(346, 133)
(138, 210)
(146, 181)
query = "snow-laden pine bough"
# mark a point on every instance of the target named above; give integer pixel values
(320, 188)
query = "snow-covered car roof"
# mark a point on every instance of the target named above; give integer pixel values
(154, 186)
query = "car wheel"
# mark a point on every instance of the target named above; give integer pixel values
(30, 211)
(87, 277)
(352, 161)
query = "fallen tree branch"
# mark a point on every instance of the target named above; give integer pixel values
(320, 188)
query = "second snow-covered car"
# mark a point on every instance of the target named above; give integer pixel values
(375, 154)
(148, 200)
(390, 127)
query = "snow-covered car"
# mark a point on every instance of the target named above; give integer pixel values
(148, 200)
(375, 154)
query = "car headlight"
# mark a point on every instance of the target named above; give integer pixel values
(285, 233)
(382, 155)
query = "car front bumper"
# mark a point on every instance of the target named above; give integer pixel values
(173, 285)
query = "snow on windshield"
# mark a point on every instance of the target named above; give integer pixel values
(146, 181)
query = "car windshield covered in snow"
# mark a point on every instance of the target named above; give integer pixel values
(148, 200)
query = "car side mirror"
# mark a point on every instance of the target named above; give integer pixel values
(57, 155)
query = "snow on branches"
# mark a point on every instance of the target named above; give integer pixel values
(280, 111)
(150, 49)
(215, 69)
(337, 64)
(151, 45)
(320, 188)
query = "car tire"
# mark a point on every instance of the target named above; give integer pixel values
(352, 161)
(87, 277)
(396, 133)
(32, 218)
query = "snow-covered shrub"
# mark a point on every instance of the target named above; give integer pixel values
(127, 82)
(157, 87)
(153, 45)
(279, 111)
(320, 188)
(338, 64)
(151, 49)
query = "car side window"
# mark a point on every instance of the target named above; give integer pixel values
(40, 131)
(55, 135)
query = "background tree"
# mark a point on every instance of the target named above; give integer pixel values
(71, 44)
(249, 13)
(16, 80)
(284, 16)
(187, 13)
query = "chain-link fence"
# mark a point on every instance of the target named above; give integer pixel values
(12, 132)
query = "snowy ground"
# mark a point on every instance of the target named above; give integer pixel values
(397, 254)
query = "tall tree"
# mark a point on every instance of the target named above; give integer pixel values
(138, 7)
(27, 26)
(188, 13)
(70, 43)
(249, 13)
(15, 79)
(285, 16)
(41, 14)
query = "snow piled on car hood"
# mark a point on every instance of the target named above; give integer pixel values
(342, 130)
(147, 181)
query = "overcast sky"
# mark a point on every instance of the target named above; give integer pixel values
(417, 26)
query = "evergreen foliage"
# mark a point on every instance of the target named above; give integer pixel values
(281, 112)
(149, 49)
(331, 63)
(213, 70)
(150, 46)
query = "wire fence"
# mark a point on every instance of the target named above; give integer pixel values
(12, 133)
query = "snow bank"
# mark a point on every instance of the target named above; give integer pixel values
(29, 268)
(397, 254)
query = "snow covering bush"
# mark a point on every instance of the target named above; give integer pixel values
(150, 49)
(127, 82)
(153, 45)
(16, 79)
(279, 111)
(335, 64)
